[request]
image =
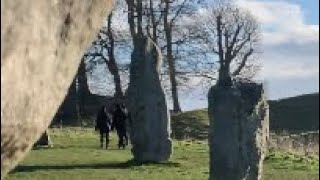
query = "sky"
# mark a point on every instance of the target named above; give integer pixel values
(290, 45)
(290, 58)
(290, 55)
(310, 9)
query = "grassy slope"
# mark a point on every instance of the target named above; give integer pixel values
(299, 113)
(192, 124)
(293, 114)
(76, 156)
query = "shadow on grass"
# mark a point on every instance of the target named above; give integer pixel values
(61, 146)
(112, 165)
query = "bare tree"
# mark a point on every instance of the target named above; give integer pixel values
(172, 12)
(83, 90)
(112, 65)
(171, 64)
(103, 50)
(160, 20)
(233, 35)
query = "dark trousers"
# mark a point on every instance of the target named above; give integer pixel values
(123, 138)
(104, 134)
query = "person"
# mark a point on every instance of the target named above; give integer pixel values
(103, 125)
(119, 123)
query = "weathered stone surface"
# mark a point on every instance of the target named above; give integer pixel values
(41, 46)
(149, 117)
(239, 129)
(304, 143)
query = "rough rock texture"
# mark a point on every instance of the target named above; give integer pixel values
(304, 143)
(149, 117)
(41, 47)
(239, 129)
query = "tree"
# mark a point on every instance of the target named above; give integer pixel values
(83, 91)
(168, 25)
(112, 65)
(103, 50)
(158, 19)
(68, 112)
(233, 35)
(163, 22)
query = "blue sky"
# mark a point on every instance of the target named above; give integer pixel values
(290, 49)
(310, 9)
(290, 58)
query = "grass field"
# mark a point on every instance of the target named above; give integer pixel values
(76, 155)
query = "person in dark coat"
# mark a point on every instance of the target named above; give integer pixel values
(119, 123)
(103, 125)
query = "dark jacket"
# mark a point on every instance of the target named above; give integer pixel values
(119, 119)
(103, 121)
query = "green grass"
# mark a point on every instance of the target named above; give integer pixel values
(76, 155)
(192, 124)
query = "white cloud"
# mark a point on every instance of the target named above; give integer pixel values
(293, 70)
(281, 20)
(290, 46)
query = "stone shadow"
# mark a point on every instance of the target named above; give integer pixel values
(112, 165)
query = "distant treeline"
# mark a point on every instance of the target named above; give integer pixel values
(295, 114)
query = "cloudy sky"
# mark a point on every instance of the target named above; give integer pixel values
(291, 45)
(290, 49)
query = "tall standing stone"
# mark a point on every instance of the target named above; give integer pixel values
(42, 43)
(149, 116)
(239, 129)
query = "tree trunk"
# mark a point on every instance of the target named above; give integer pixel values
(173, 81)
(113, 68)
(224, 76)
(83, 88)
(68, 109)
(154, 23)
(112, 64)
(171, 61)
(117, 82)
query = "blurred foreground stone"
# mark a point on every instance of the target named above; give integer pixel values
(42, 42)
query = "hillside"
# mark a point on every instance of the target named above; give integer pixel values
(300, 113)
(295, 114)
(191, 124)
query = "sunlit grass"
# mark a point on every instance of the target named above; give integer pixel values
(76, 155)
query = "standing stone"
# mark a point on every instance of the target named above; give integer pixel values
(42, 43)
(149, 123)
(239, 131)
